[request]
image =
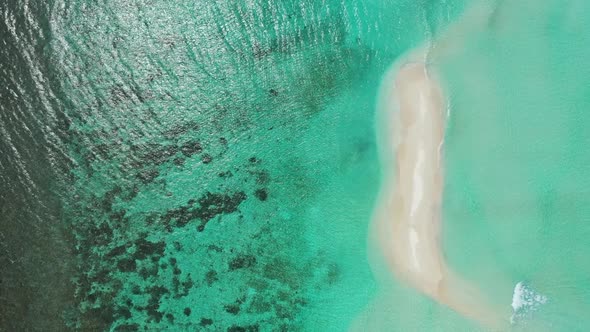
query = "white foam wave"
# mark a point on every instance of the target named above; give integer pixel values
(525, 300)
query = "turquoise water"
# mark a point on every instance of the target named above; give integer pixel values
(212, 166)
(516, 154)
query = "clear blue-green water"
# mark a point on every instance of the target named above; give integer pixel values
(212, 166)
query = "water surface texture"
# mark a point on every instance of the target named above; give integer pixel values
(212, 165)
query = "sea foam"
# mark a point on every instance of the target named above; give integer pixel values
(524, 301)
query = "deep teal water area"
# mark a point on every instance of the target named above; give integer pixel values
(212, 165)
(36, 252)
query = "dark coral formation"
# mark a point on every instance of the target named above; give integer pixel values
(209, 206)
(261, 194)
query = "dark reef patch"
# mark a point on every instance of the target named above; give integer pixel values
(225, 175)
(180, 130)
(210, 206)
(249, 328)
(118, 251)
(154, 154)
(261, 194)
(101, 235)
(191, 148)
(177, 246)
(127, 265)
(156, 292)
(123, 312)
(242, 262)
(145, 249)
(170, 318)
(127, 328)
(147, 176)
(206, 158)
(178, 161)
(206, 322)
(109, 198)
(233, 308)
(211, 277)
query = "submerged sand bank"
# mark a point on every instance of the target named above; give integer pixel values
(407, 220)
(406, 226)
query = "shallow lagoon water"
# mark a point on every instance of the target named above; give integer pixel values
(221, 158)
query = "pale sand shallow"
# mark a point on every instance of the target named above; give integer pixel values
(406, 225)
(407, 220)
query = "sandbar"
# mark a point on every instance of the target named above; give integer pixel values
(407, 219)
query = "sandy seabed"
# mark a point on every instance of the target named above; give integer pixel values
(406, 226)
